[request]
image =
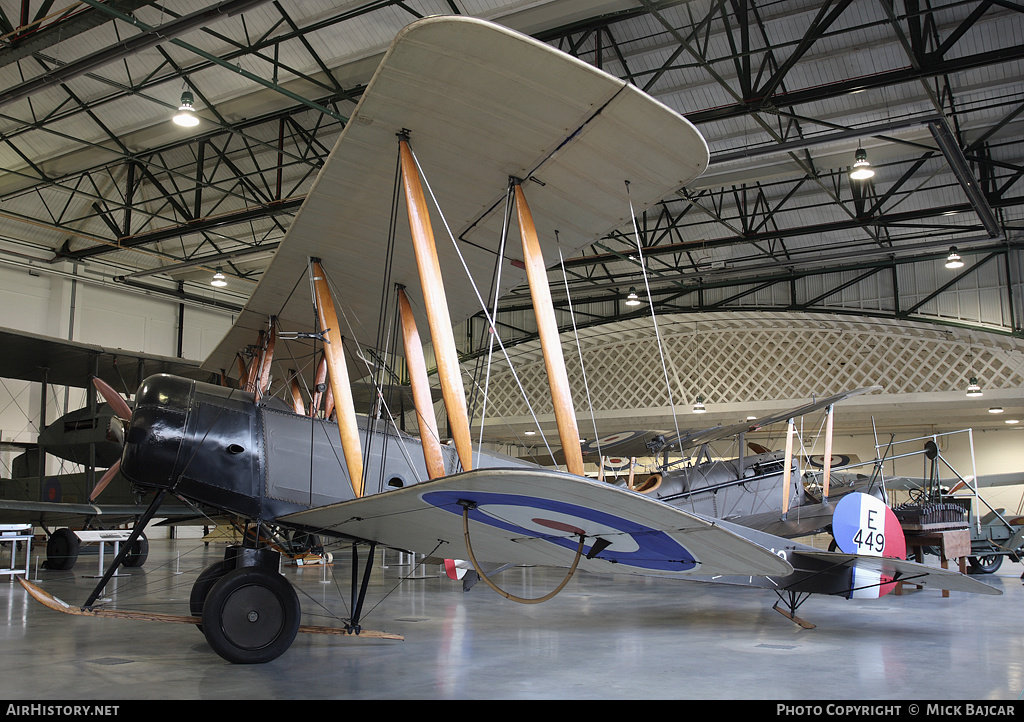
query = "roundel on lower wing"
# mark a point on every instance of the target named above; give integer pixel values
(632, 544)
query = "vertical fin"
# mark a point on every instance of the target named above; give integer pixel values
(436, 305)
(554, 361)
(337, 372)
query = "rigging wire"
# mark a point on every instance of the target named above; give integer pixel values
(491, 331)
(654, 318)
(579, 349)
(476, 291)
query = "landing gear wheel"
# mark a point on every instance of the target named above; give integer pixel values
(201, 588)
(62, 549)
(251, 615)
(985, 564)
(139, 552)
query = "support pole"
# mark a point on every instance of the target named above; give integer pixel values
(417, 367)
(554, 361)
(436, 305)
(337, 373)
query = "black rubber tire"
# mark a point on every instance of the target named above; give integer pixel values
(985, 564)
(138, 554)
(251, 616)
(62, 549)
(201, 588)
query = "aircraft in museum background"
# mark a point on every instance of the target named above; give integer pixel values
(496, 117)
(758, 489)
(90, 437)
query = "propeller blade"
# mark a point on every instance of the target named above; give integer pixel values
(105, 479)
(113, 398)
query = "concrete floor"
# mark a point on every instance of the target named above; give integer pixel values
(601, 638)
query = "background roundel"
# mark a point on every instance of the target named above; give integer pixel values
(52, 489)
(818, 460)
(605, 443)
(559, 522)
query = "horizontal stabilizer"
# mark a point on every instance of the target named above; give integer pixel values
(906, 571)
(535, 516)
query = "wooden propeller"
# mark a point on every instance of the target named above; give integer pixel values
(123, 412)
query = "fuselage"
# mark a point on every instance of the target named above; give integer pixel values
(260, 460)
(727, 488)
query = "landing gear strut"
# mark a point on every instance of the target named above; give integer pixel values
(250, 612)
(793, 601)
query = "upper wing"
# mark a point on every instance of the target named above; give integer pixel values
(481, 103)
(534, 516)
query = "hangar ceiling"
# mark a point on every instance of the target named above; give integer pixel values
(96, 180)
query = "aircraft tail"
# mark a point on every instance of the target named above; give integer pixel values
(864, 525)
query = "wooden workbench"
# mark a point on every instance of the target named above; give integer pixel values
(953, 545)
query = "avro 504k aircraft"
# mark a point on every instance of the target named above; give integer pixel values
(479, 129)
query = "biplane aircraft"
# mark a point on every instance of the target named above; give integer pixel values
(89, 437)
(498, 131)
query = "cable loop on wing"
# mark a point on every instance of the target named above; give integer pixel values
(502, 592)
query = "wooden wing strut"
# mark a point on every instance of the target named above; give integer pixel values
(337, 372)
(420, 390)
(554, 361)
(436, 305)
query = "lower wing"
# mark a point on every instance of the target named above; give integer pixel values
(537, 516)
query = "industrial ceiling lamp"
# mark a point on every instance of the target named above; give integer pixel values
(973, 389)
(861, 167)
(953, 260)
(632, 299)
(186, 115)
(698, 407)
(219, 280)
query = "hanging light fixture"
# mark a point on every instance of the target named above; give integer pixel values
(186, 115)
(219, 280)
(698, 406)
(973, 389)
(861, 167)
(632, 299)
(953, 260)
(995, 410)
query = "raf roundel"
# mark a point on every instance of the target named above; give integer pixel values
(631, 544)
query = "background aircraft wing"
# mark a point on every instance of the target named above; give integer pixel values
(72, 363)
(54, 514)
(690, 440)
(532, 516)
(649, 442)
(481, 104)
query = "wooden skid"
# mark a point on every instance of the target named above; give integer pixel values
(48, 600)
